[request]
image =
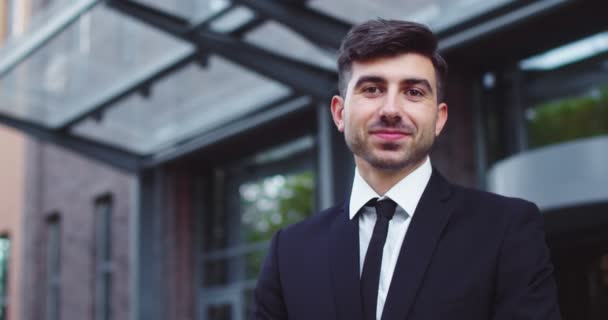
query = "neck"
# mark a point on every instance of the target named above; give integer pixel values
(382, 180)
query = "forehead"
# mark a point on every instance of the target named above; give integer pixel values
(395, 69)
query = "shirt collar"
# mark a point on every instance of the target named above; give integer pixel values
(406, 193)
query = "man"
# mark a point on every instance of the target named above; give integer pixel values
(406, 244)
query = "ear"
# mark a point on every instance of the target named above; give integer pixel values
(442, 118)
(337, 112)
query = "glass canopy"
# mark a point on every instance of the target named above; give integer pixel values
(83, 62)
(193, 10)
(190, 101)
(438, 14)
(97, 72)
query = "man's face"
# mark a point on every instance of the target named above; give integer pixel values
(390, 115)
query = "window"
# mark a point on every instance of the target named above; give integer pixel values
(103, 257)
(567, 92)
(255, 197)
(5, 250)
(53, 267)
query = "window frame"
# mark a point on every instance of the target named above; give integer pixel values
(103, 262)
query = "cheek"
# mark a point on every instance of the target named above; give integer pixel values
(425, 122)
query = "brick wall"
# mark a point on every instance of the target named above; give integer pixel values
(63, 182)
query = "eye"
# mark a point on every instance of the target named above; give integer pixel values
(414, 92)
(371, 90)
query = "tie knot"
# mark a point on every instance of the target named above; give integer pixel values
(385, 207)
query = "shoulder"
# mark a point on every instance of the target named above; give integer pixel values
(501, 209)
(487, 199)
(476, 200)
(311, 229)
(317, 222)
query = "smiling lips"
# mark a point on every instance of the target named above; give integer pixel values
(390, 135)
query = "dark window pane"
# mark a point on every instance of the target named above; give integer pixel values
(5, 248)
(219, 312)
(103, 257)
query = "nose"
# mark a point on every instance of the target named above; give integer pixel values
(390, 111)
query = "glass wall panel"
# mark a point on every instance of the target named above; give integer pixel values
(566, 92)
(258, 196)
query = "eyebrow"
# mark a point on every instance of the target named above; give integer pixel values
(418, 81)
(369, 79)
(408, 82)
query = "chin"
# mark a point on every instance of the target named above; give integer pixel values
(389, 163)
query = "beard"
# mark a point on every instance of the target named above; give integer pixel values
(391, 156)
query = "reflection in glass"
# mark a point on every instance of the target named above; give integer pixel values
(267, 205)
(256, 197)
(270, 204)
(569, 119)
(274, 202)
(566, 92)
(570, 53)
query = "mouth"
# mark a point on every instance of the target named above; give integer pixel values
(389, 135)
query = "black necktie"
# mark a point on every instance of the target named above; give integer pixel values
(370, 278)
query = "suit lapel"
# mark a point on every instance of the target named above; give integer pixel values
(431, 216)
(344, 257)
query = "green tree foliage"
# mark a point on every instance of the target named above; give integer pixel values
(270, 204)
(569, 119)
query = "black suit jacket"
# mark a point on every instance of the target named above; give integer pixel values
(467, 255)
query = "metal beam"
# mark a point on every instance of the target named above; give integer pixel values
(309, 79)
(31, 43)
(321, 29)
(95, 104)
(160, 19)
(147, 246)
(113, 156)
(303, 77)
(495, 24)
(277, 110)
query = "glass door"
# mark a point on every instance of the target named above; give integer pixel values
(253, 198)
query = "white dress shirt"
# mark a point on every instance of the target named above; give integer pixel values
(406, 193)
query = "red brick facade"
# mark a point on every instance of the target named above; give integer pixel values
(61, 182)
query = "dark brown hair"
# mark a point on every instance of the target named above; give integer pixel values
(386, 38)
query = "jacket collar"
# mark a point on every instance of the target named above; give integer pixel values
(424, 233)
(406, 193)
(432, 214)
